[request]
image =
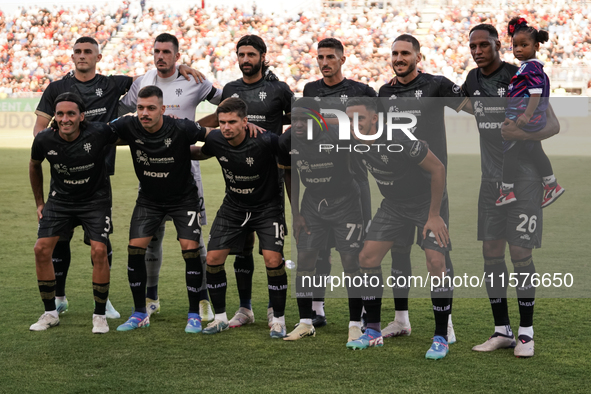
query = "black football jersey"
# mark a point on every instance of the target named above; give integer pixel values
(250, 169)
(324, 173)
(162, 160)
(397, 173)
(341, 92)
(267, 101)
(77, 168)
(101, 98)
(426, 96)
(488, 96)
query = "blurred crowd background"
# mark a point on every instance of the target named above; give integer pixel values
(36, 42)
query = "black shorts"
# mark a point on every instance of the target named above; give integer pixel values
(59, 219)
(148, 216)
(520, 223)
(394, 221)
(232, 225)
(332, 221)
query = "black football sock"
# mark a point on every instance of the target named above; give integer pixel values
(136, 273)
(47, 291)
(323, 268)
(526, 292)
(277, 283)
(244, 269)
(354, 294)
(101, 295)
(304, 293)
(371, 294)
(401, 268)
(441, 307)
(217, 285)
(497, 293)
(61, 258)
(193, 277)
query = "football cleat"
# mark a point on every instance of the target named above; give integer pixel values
(551, 194)
(318, 320)
(354, 333)
(496, 341)
(451, 334)
(301, 331)
(396, 329)
(524, 347)
(45, 321)
(215, 327)
(61, 305)
(193, 324)
(506, 197)
(136, 320)
(371, 338)
(152, 306)
(205, 310)
(99, 324)
(278, 330)
(438, 349)
(242, 317)
(111, 312)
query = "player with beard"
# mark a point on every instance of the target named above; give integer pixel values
(330, 207)
(160, 146)
(253, 203)
(486, 86)
(335, 90)
(425, 96)
(79, 193)
(412, 181)
(101, 95)
(269, 107)
(181, 97)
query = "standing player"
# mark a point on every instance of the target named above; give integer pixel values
(181, 97)
(79, 194)
(333, 84)
(425, 96)
(101, 97)
(486, 86)
(253, 203)
(410, 199)
(330, 207)
(269, 106)
(161, 150)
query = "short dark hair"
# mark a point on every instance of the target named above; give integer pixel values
(368, 102)
(150, 91)
(89, 40)
(165, 37)
(306, 102)
(73, 98)
(232, 104)
(492, 31)
(519, 24)
(416, 46)
(332, 43)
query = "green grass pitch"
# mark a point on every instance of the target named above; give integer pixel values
(162, 358)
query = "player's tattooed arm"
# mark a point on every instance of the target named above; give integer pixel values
(511, 132)
(196, 153)
(435, 223)
(36, 178)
